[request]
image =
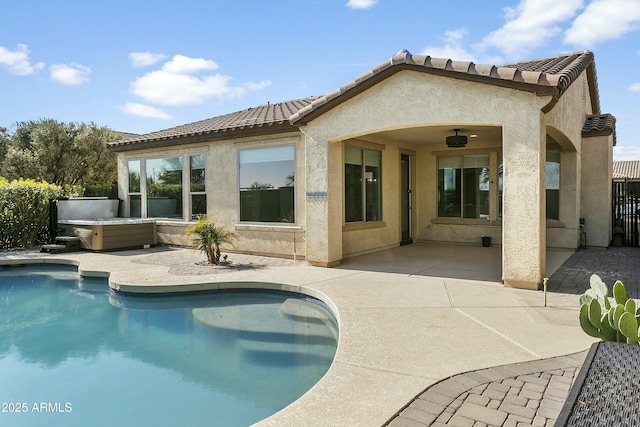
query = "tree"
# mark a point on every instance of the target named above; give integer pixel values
(59, 153)
(4, 142)
(261, 186)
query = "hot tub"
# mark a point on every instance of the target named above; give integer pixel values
(104, 234)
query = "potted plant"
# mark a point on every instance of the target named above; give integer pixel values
(486, 240)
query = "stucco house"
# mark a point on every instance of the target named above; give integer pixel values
(418, 149)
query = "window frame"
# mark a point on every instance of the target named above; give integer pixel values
(186, 202)
(363, 204)
(190, 190)
(462, 189)
(294, 161)
(547, 162)
(141, 183)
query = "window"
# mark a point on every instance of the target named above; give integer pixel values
(362, 184)
(553, 184)
(135, 198)
(156, 187)
(267, 184)
(197, 191)
(164, 187)
(463, 186)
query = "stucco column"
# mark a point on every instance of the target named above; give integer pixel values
(597, 153)
(524, 216)
(323, 183)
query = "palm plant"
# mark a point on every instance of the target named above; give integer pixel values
(207, 236)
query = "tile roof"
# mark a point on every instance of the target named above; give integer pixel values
(262, 120)
(551, 75)
(600, 124)
(628, 169)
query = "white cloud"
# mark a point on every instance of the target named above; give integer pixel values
(70, 75)
(144, 59)
(142, 110)
(361, 4)
(452, 48)
(529, 25)
(635, 87)
(604, 20)
(181, 64)
(163, 88)
(17, 61)
(626, 153)
(182, 81)
(257, 86)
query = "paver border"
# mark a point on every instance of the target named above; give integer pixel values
(446, 392)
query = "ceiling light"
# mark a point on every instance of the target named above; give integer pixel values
(456, 141)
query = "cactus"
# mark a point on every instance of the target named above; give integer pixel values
(628, 326)
(609, 322)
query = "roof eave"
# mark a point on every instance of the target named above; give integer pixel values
(210, 136)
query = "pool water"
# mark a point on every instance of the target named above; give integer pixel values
(74, 353)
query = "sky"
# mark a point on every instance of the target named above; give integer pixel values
(142, 66)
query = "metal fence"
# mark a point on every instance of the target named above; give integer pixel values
(626, 212)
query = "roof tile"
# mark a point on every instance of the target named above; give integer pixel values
(600, 124)
(240, 122)
(485, 70)
(554, 72)
(626, 169)
(462, 66)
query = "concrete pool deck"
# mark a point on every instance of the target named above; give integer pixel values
(409, 318)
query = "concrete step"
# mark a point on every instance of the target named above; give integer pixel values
(62, 244)
(309, 329)
(53, 248)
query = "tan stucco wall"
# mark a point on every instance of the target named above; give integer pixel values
(564, 123)
(597, 153)
(524, 215)
(566, 118)
(223, 199)
(564, 233)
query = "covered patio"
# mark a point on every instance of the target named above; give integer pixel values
(454, 261)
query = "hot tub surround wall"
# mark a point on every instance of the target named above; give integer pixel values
(117, 233)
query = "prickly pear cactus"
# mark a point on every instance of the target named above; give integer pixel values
(617, 320)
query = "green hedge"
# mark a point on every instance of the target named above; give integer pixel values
(24, 212)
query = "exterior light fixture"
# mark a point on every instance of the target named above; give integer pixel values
(456, 141)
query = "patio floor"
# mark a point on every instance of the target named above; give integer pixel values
(409, 317)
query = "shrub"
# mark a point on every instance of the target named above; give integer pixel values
(24, 212)
(209, 237)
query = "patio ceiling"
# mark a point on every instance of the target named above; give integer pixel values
(425, 135)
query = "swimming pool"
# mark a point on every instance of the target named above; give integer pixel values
(73, 352)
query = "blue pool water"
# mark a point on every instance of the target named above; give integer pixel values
(74, 353)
